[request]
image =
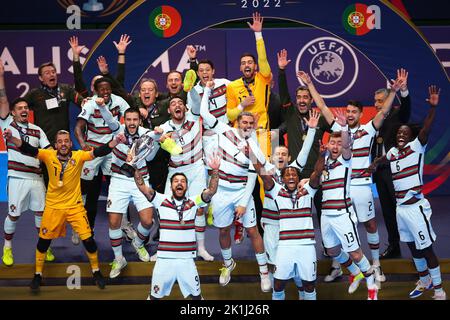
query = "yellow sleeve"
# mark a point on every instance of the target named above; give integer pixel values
(86, 155)
(232, 103)
(263, 64)
(44, 154)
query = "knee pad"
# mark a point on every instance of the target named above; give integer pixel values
(90, 245)
(43, 245)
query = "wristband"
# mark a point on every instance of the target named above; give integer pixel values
(121, 53)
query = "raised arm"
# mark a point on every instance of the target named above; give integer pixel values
(314, 180)
(192, 54)
(341, 119)
(209, 119)
(147, 191)
(4, 105)
(80, 86)
(263, 64)
(214, 163)
(433, 100)
(328, 115)
(283, 89)
(312, 123)
(386, 108)
(121, 48)
(405, 101)
(259, 168)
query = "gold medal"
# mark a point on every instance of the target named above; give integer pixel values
(325, 174)
(60, 183)
(379, 140)
(304, 137)
(182, 222)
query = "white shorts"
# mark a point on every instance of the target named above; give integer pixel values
(196, 176)
(90, 168)
(296, 261)
(414, 224)
(340, 230)
(224, 203)
(122, 192)
(25, 194)
(362, 200)
(271, 236)
(167, 271)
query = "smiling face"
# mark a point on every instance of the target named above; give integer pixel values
(177, 110)
(104, 91)
(148, 93)
(132, 120)
(174, 83)
(246, 126)
(63, 144)
(281, 157)
(20, 112)
(248, 67)
(353, 116)
(290, 179)
(334, 146)
(48, 76)
(304, 101)
(205, 73)
(404, 135)
(179, 186)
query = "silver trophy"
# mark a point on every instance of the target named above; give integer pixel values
(139, 150)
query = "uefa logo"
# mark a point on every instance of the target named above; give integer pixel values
(331, 63)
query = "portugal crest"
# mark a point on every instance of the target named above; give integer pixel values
(165, 21)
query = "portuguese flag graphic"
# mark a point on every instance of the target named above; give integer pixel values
(165, 21)
(354, 19)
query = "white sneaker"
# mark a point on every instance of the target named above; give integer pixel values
(117, 266)
(141, 252)
(153, 257)
(129, 232)
(205, 255)
(225, 273)
(266, 284)
(75, 238)
(334, 274)
(354, 282)
(379, 275)
(440, 295)
(420, 288)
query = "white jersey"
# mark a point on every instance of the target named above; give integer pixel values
(235, 165)
(20, 165)
(270, 213)
(295, 214)
(98, 132)
(189, 137)
(336, 186)
(120, 152)
(217, 99)
(407, 170)
(177, 225)
(362, 139)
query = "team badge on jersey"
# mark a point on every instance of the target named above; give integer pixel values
(156, 289)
